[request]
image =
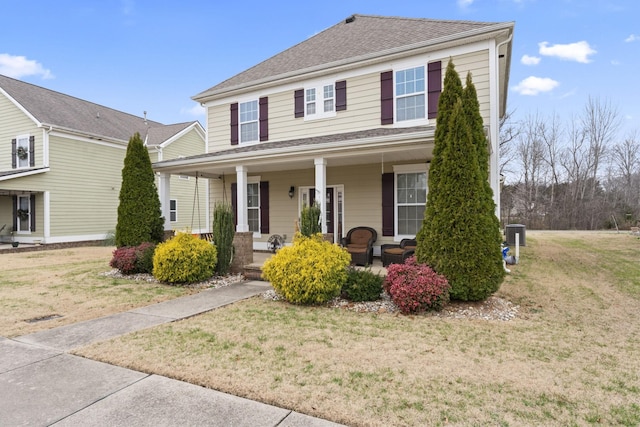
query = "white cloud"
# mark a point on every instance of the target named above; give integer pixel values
(579, 51)
(196, 111)
(615, 62)
(530, 60)
(19, 66)
(534, 85)
(632, 38)
(465, 3)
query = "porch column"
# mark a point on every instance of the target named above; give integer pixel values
(46, 210)
(321, 191)
(164, 190)
(241, 179)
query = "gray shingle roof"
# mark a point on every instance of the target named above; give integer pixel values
(365, 36)
(64, 111)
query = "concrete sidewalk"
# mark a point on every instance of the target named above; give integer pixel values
(42, 385)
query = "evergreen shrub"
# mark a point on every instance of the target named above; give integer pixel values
(415, 288)
(134, 259)
(362, 285)
(223, 233)
(310, 220)
(184, 259)
(310, 271)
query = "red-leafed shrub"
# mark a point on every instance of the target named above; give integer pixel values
(134, 259)
(416, 287)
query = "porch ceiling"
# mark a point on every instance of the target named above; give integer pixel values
(394, 148)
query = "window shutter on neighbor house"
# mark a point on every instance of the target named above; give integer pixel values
(298, 98)
(434, 87)
(264, 118)
(13, 154)
(234, 202)
(264, 207)
(341, 95)
(32, 209)
(15, 213)
(386, 98)
(388, 223)
(234, 123)
(32, 151)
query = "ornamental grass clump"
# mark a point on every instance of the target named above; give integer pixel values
(311, 271)
(184, 259)
(415, 288)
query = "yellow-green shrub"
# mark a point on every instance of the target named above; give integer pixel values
(184, 259)
(311, 271)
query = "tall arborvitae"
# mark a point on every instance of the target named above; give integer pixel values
(458, 235)
(139, 214)
(451, 91)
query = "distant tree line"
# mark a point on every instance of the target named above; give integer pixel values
(577, 174)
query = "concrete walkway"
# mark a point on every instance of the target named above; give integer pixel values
(41, 384)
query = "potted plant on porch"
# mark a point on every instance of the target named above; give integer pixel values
(13, 241)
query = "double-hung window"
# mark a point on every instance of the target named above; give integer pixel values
(173, 210)
(411, 199)
(410, 94)
(319, 101)
(249, 130)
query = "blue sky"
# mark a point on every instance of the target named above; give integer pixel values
(143, 55)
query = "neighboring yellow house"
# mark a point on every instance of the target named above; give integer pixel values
(346, 118)
(61, 162)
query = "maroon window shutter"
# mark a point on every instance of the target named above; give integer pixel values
(13, 154)
(15, 213)
(434, 87)
(234, 123)
(32, 210)
(386, 97)
(264, 207)
(388, 224)
(264, 118)
(234, 202)
(341, 95)
(32, 151)
(298, 97)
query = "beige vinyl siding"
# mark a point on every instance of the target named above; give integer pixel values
(363, 112)
(478, 64)
(14, 122)
(84, 182)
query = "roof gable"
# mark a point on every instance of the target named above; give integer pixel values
(352, 40)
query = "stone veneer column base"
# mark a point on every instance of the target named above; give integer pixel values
(243, 255)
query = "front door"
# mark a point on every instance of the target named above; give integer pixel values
(334, 207)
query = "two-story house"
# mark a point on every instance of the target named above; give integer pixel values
(61, 162)
(345, 118)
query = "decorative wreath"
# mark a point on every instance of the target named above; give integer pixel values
(22, 153)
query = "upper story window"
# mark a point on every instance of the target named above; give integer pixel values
(319, 101)
(22, 151)
(410, 94)
(249, 130)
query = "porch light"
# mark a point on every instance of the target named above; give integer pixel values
(292, 191)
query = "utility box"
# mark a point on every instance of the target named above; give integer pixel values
(510, 234)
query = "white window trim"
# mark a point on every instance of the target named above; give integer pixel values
(175, 211)
(256, 180)
(402, 169)
(415, 122)
(319, 101)
(18, 138)
(240, 122)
